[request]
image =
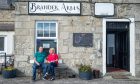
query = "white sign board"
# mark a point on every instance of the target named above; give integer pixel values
(45, 45)
(104, 9)
(54, 8)
(1, 60)
(31, 61)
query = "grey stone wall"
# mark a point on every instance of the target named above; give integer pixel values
(25, 37)
(112, 1)
(132, 11)
(7, 16)
(67, 25)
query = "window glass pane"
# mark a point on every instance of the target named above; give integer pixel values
(1, 43)
(40, 26)
(46, 29)
(40, 33)
(40, 29)
(52, 29)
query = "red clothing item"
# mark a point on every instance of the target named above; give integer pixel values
(52, 58)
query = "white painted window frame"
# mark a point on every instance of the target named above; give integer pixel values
(5, 44)
(47, 38)
(132, 42)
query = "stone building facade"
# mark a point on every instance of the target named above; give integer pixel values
(87, 22)
(7, 18)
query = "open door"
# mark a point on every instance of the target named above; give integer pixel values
(118, 46)
(122, 50)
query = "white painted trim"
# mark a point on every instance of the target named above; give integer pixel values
(104, 46)
(132, 46)
(46, 37)
(9, 41)
(57, 36)
(132, 43)
(5, 44)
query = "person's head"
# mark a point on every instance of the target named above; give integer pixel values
(40, 49)
(52, 50)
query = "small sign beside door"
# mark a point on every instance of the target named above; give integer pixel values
(54, 8)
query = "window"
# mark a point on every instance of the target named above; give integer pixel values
(1, 43)
(46, 29)
(6, 4)
(46, 35)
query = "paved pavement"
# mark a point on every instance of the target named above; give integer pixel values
(27, 80)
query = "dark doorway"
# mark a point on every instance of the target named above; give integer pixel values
(117, 46)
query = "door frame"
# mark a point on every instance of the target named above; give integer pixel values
(132, 42)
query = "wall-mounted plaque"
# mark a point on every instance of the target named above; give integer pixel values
(104, 9)
(82, 39)
(55, 8)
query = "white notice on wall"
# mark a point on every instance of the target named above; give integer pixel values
(104, 9)
(46, 45)
(1, 60)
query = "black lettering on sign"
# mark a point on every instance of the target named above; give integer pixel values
(49, 8)
(35, 7)
(68, 8)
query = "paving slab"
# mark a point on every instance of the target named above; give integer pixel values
(27, 80)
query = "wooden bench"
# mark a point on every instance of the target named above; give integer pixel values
(60, 70)
(39, 72)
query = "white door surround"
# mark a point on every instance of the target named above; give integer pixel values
(132, 42)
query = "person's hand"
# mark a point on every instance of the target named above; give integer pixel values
(48, 62)
(38, 64)
(52, 61)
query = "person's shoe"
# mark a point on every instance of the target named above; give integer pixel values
(44, 77)
(52, 79)
(33, 79)
(46, 74)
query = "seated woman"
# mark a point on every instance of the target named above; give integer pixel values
(52, 62)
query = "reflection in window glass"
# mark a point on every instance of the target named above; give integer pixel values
(1, 43)
(52, 30)
(40, 26)
(46, 29)
(40, 33)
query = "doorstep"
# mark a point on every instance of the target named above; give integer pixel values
(130, 78)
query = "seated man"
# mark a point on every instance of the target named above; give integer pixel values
(52, 62)
(39, 62)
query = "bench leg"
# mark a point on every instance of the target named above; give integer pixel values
(39, 73)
